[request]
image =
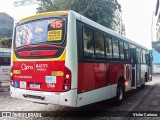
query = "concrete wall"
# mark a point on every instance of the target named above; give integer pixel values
(156, 68)
(156, 62)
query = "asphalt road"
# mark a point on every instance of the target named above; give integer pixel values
(147, 99)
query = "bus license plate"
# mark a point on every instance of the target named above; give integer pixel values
(34, 85)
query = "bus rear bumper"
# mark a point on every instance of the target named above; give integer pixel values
(60, 98)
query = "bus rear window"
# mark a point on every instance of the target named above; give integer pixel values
(50, 31)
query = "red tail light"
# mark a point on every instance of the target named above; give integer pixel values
(11, 73)
(67, 79)
(12, 83)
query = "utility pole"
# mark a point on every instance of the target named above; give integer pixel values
(157, 7)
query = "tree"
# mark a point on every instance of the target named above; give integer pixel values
(101, 11)
(6, 25)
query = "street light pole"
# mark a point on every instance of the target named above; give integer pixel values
(152, 28)
(152, 39)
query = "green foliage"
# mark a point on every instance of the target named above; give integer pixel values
(6, 25)
(101, 11)
(6, 29)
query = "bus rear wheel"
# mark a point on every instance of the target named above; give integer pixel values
(143, 86)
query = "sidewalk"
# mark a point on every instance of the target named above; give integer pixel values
(151, 102)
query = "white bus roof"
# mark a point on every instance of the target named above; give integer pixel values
(109, 31)
(85, 20)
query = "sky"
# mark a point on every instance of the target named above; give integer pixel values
(137, 16)
(17, 13)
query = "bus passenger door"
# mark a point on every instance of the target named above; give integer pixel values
(149, 59)
(133, 61)
(138, 68)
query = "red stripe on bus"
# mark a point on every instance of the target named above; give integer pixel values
(38, 53)
(39, 46)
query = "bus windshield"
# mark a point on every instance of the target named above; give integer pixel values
(50, 31)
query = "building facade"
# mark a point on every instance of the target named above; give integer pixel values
(156, 43)
(117, 24)
(156, 62)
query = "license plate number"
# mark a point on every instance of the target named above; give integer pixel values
(34, 85)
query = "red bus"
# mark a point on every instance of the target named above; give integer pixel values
(67, 59)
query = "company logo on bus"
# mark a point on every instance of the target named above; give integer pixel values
(26, 67)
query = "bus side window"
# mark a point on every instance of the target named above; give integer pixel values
(115, 48)
(141, 56)
(108, 42)
(148, 59)
(138, 55)
(80, 41)
(126, 51)
(99, 45)
(121, 50)
(144, 58)
(88, 42)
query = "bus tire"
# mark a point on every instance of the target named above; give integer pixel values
(146, 76)
(120, 93)
(143, 86)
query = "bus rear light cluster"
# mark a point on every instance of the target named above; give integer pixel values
(67, 79)
(65, 87)
(150, 77)
(17, 23)
(11, 73)
(11, 77)
(126, 83)
(67, 76)
(12, 83)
